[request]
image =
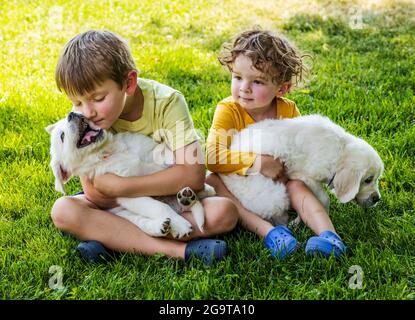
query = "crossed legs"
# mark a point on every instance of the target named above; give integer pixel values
(81, 218)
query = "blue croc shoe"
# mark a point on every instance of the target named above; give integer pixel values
(93, 251)
(208, 250)
(281, 242)
(325, 244)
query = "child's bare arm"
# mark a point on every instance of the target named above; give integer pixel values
(269, 167)
(188, 171)
(95, 196)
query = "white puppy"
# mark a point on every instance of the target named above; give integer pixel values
(314, 150)
(78, 148)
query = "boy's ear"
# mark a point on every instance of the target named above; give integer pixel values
(284, 89)
(131, 82)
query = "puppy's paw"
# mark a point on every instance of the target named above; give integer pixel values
(155, 227)
(165, 227)
(180, 227)
(186, 198)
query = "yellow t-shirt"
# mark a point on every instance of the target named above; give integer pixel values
(230, 117)
(165, 118)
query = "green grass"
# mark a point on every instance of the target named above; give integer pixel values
(363, 79)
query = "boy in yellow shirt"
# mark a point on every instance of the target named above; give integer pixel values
(97, 72)
(263, 65)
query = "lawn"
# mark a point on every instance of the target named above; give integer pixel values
(362, 77)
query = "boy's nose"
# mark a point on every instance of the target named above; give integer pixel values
(89, 112)
(244, 87)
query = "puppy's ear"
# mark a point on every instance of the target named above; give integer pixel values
(50, 128)
(346, 184)
(61, 176)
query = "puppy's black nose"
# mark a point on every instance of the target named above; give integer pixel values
(73, 115)
(375, 198)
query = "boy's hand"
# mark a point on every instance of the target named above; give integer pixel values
(270, 167)
(95, 191)
(108, 184)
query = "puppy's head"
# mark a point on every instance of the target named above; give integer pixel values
(357, 175)
(73, 140)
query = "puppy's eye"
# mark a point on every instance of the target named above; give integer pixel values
(369, 180)
(62, 136)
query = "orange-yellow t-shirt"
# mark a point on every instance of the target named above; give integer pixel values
(230, 117)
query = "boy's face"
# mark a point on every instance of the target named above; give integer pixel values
(103, 105)
(251, 88)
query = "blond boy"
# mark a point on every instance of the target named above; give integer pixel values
(98, 74)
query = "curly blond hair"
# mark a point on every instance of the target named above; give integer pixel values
(270, 53)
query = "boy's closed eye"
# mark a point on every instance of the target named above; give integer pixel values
(99, 99)
(95, 99)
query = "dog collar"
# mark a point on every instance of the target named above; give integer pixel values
(331, 180)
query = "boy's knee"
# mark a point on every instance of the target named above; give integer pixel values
(225, 215)
(63, 213)
(294, 186)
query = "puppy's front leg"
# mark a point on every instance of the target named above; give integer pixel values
(188, 200)
(158, 212)
(149, 226)
(145, 206)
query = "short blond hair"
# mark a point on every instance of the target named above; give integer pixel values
(91, 58)
(269, 52)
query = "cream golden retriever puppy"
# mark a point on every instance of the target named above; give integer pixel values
(314, 150)
(78, 148)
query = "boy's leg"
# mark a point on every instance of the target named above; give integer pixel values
(309, 208)
(248, 219)
(221, 216)
(314, 215)
(78, 216)
(81, 218)
(279, 240)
